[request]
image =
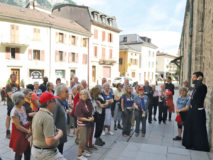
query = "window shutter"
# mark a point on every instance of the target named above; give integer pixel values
(110, 53)
(7, 54)
(65, 38)
(111, 37)
(103, 53)
(30, 52)
(56, 56)
(84, 59)
(17, 53)
(57, 37)
(65, 56)
(69, 57)
(108, 37)
(76, 57)
(42, 55)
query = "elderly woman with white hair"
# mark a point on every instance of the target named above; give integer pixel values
(108, 96)
(20, 128)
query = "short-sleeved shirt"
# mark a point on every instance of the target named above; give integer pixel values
(182, 102)
(38, 93)
(43, 126)
(128, 101)
(107, 97)
(118, 94)
(21, 116)
(11, 88)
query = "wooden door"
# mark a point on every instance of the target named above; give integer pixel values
(17, 72)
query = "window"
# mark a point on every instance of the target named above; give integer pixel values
(120, 61)
(36, 74)
(103, 36)
(125, 39)
(133, 74)
(73, 40)
(36, 34)
(110, 37)
(61, 37)
(93, 73)
(110, 21)
(152, 64)
(95, 51)
(14, 33)
(13, 53)
(61, 56)
(73, 57)
(84, 42)
(95, 15)
(95, 33)
(84, 60)
(103, 18)
(60, 73)
(36, 55)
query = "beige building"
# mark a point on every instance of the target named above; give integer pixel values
(196, 48)
(164, 65)
(34, 44)
(103, 44)
(129, 62)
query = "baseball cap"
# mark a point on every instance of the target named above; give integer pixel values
(140, 88)
(46, 96)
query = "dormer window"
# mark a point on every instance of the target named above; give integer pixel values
(103, 18)
(95, 16)
(124, 39)
(110, 21)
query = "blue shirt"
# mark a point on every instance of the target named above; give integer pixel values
(183, 102)
(141, 102)
(128, 101)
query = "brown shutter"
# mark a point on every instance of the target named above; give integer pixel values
(57, 37)
(30, 56)
(69, 57)
(110, 53)
(7, 54)
(65, 57)
(56, 56)
(17, 53)
(103, 53)
(76, 57)
(42, 55)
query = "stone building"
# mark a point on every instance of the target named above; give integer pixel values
(196, 49)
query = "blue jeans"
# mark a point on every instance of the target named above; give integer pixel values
(139, 119)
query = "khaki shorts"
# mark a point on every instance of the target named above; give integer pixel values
(83, 136)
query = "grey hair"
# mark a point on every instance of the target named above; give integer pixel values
(49, 84)
(26, 91)
(16, 97)
(106, 84)
(84, 91)
(60, 88)
(98, 86)
(183, 89)
(36, 83)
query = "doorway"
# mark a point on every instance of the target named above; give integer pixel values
(17, 72)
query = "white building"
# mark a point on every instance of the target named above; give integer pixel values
(164, 65)
(147, 57)
(104, 42)
(34, 44)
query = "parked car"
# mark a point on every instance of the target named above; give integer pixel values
(121, 80)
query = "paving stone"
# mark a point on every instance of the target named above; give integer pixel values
(178, 157)
(197, 155)
(179, 151)
(150, 156)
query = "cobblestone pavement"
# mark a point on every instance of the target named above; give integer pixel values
(156, 145)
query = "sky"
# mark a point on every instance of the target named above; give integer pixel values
(161, 20)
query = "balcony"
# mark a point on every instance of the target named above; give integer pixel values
(22, 40)
(107, 62)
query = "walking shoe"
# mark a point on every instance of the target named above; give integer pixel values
(177, 138)
(164, 122)
(150, 122)
(136, 134)
(110, 133)
(155, 119)
(81, 158)
(93, 147)
(8, 134)
(98, 142)
(86, 154)
(119, 126)
(103, 133)
(102, 141)
(115, 127)
(143, 134)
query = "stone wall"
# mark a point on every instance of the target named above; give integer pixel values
(196, 47)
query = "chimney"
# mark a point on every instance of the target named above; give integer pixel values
(32, 4)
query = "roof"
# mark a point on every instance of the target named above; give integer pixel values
(130, 39)
(165, 54)
(128, 47)
(99, 14)
(26, 15)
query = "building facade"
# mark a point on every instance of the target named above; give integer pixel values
(196, 49)
(103, 44)
(164, 67)
(34, 44)
(147, 56)
(129, 62)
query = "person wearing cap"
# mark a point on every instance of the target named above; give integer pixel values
(60, 114)
(45, 134)
(141, 106)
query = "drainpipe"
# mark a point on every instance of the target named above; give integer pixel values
(190, 43)
(88, 58)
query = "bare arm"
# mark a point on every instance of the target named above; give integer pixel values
(184, 109)
(50, 141)
(122, 104)
(136, 106)
(102, 105)
(19, 126)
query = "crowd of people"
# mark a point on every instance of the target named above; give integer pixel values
(43, 115)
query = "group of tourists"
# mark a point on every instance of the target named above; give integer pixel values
(44, 114)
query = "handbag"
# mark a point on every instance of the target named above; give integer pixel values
(143, 114)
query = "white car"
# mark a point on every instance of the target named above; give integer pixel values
(120, 80)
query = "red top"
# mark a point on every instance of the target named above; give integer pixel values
(75, 102)
(169, 100)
